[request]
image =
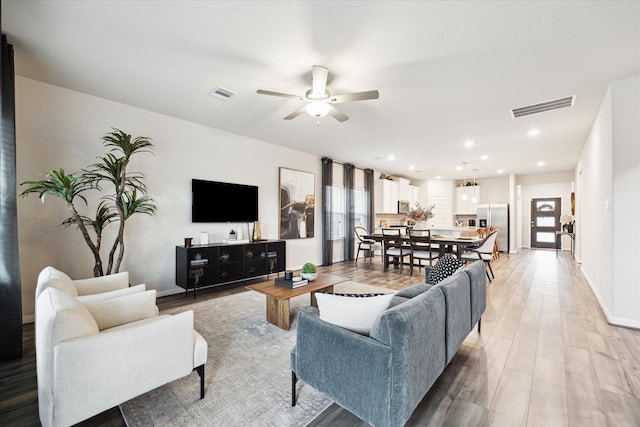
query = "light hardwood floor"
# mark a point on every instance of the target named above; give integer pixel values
(546, 355)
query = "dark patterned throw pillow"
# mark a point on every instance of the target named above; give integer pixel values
(445, 267)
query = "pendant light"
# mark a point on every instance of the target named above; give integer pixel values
(464, 179)
(474, 198)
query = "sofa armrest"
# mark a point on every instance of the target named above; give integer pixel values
(95, 285)
(92, 374)
(351, 369)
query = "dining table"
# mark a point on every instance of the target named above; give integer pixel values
(445, 243)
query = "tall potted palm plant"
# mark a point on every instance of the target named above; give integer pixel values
(128, 195)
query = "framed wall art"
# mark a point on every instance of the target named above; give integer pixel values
(297, 204)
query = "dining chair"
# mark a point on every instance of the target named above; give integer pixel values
(393, 246)
(496, 250)
(367, 245)
(421, 248)
(483, 252)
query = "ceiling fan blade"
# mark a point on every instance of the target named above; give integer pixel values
(338, 115)
(295, 113)
(356, 96)
(280, 94)
(319, 76)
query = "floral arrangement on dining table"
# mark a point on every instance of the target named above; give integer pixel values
(422, 213)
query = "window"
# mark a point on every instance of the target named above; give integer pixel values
(360, 208)
(338, 214)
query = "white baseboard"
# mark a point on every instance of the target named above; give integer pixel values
(167, 292)
(611, 319)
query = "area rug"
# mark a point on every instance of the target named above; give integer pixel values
(248, 375)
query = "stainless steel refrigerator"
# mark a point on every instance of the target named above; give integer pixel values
(495, 215)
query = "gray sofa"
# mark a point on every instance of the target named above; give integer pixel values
(382, 377)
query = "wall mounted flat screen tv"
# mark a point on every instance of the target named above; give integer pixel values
(213, 201)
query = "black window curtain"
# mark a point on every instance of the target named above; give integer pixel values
(327, 209)
(10, 286)
(349, 210)
(368, 193)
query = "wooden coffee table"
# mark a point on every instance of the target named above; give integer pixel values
(278, 307)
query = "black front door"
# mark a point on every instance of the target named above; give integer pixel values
(545, 221)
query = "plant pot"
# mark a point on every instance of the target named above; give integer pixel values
(309, 276)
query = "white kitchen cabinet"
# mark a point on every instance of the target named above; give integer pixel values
(414, 196)
(386, 196)
(467, 207)
(405, 189)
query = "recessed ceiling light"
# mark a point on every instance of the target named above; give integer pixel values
(540, 164)
(412, 167)
(533, 132)
(469, 144)
(484, 157)
(438, 177)
(458, 168)
(391, 157)
(500, 171)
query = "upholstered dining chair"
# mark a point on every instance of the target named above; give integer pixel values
(483, 252)
(394, 247)
(368, 246)
(496, 250)
(421, 249)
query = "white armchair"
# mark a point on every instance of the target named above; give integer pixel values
(96, 354)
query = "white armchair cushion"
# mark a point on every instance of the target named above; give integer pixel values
(50, 276)
(95, 285)
(125, 309)
(60, 284)
(67, 317)
(113, 294)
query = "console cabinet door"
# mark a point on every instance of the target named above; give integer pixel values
(277, 257)
(229, 263)
(255, 262)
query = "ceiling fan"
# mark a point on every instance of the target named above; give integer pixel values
(319, 99)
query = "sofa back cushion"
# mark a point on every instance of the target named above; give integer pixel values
(457, 295)
(415, 330)
(478, 278)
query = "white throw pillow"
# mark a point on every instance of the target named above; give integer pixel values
(124, 309)
(356, 313)
(112, 294)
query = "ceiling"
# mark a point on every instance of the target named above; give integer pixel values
(447, 72)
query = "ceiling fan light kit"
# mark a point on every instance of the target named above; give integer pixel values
(318, 109)
(319, 99)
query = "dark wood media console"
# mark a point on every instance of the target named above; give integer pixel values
(221, 263)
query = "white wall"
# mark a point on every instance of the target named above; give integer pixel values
(608, 203)
(494, 190)
(625, 206)
(59, 128)
(593, 218)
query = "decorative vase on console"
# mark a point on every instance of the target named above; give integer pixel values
(256, 232)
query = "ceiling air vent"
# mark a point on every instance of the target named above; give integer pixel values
(222, 94)
(544, 106)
